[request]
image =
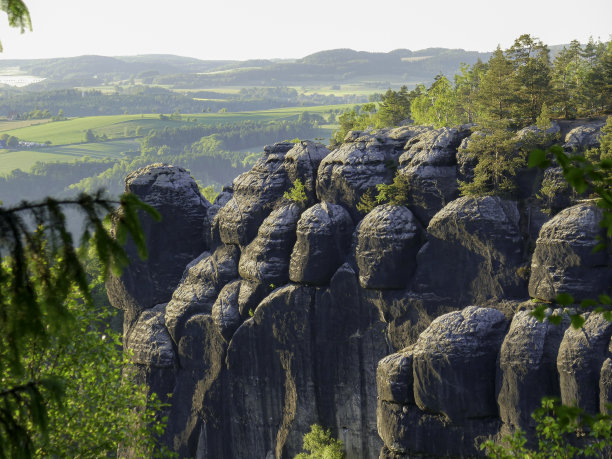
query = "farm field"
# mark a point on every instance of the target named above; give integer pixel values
(25, 159)
(73, 131)
(6, 125)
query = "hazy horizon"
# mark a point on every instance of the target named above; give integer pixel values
(275, 29)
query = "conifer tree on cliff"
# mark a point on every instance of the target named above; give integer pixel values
(496, 88)
(531, 63)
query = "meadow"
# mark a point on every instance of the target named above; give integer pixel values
(123, 131)
(72, 131)
(25, 159)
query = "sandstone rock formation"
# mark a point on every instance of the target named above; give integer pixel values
(262, 316)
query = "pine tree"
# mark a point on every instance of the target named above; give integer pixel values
(498, 162)
(531, 62)
(496, 88)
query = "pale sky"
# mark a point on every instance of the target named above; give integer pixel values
(245, 29)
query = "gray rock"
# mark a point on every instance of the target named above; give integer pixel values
(430, 167)
(149, 341)
(581, 356)
(454, 363)
(349, 171)
(179, 236)
(394, 378)
(473, 252)
(307, 355)
(255, 194)
(201, 283)
(225, 311)
(212, 236)
(266, 258)
(564, 262)
(410, 433)
(302, 162)
(388, 239)
(198, 391)
(605, 385)
(527, 369)
(467, 161)
(548, 135)
(236, 302)
(583, 137)
(324, 234)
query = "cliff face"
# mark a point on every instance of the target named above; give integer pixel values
(261, 316)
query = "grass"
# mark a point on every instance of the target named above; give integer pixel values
(67, 136)
(6, 125)
(25, 159)
(73, 130)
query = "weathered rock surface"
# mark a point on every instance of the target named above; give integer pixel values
(175, 195)
(564, 261)
(581, 356)
(266, 258)
(388, 240)
(255, 193)
(323, 240)
(473, 252)
(149, 341)
(286, 314)
(302, 163)
(430, 167)
(201, 283)
(454, 363)
(349, 171)
(583, 137)
(527, 369)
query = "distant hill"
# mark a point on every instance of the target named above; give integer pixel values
(331, 66)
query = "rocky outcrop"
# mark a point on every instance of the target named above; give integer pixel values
(527, 369)
(266, 258)
(564, 260)
(323, 240)
(583, 137)
(388, 240)
(364, 161)
(473, 252)
(430, 168)
(179, 236)
(280, 313)
(255, 193)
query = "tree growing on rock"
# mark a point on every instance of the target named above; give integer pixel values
(498, 162)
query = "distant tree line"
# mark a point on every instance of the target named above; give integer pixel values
(27, 104)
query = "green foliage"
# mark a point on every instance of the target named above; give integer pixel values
(394, 107)
(297, 193)
(396, 193)
(18, 15)
(209, 192)
(367, 202)
(98, 411)
(562, 432)
(320, 444)
(499, 158)
(40, 271)
(436, 105)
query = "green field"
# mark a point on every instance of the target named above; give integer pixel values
(73, 131)
(67, 137)
(25, 159)
(6, 125)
